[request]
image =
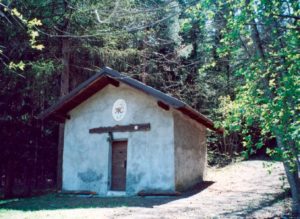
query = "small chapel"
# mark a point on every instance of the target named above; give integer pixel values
(123, 137)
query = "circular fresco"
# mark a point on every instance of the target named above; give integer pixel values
(119, 109)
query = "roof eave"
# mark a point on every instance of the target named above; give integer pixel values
(200, 118)
(110, 76)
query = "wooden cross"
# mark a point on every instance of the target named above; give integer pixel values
(122, 128)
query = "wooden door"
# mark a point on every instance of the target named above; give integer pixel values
(119, 163)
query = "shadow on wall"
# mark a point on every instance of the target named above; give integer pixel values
(54, 201)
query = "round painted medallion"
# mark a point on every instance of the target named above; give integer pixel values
(119, 109)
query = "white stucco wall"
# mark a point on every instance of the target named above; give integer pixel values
(190, 151)
(150, 156)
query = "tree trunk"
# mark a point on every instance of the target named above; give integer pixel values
(294, 183)
(65, 76)
(64, 89)
(9, 178)
(293, 180)
(60, 156)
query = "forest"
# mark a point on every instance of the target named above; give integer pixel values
(235, 61)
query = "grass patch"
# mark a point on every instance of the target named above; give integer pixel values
(53, 202)
(55, 206)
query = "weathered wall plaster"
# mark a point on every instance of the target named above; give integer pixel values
(150, 155)
(190, 151)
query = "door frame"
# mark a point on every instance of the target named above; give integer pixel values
(110, 163)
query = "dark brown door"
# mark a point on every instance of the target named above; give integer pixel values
(119, 163)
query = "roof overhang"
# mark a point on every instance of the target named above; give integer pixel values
(106, 76)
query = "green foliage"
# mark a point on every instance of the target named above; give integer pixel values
(30, 24)
(12, 17)
(270, 94)
(261, 41)
(15, 66)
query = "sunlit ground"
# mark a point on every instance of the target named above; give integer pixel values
(244, 189)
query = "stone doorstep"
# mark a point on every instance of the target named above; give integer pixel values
(116, 193)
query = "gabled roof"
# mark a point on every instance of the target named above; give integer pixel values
(59, 111)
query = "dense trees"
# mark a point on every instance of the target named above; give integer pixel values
(244, 52)
(262, 40)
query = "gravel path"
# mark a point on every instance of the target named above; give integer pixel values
(244, 189)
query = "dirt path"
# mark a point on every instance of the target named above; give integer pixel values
(239, 190)
(243, 189)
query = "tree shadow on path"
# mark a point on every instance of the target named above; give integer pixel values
(260, 205)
